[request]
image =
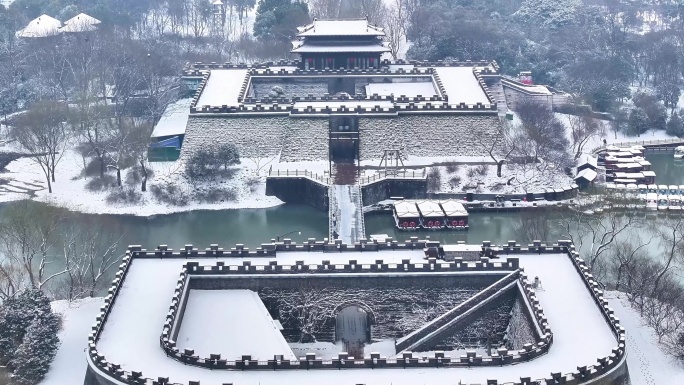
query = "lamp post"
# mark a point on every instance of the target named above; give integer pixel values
(286, 234)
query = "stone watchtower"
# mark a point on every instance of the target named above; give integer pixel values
(350, 43)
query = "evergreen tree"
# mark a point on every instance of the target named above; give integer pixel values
(28, 335)
(675, 127)
(16, 315)
(32, 359)
(638, 121)
(278, 19)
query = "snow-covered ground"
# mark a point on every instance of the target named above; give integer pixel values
(647, 361)
(69, 366)
(611, 136)
(25, 179)
(514, 179)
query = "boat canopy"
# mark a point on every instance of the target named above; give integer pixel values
(453, 209)
(430, 209)
(406, 209)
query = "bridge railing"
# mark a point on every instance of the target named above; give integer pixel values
(645, 143)
(393, 174)
(300, 174)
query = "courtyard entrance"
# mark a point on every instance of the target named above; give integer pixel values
(352, 327)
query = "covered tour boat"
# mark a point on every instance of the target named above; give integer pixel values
(674, 204)
(406, 215)
(652, 201)
(431, 215)
(456, 215)
(679, 152)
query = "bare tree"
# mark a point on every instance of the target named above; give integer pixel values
(89, 253)
(670, 233)
(325, 9)
(533, 225)
(540, 135)
(499, 147)
(395, 27)
(42, 132)
(594, 235)
(27, 236)
(583, 128)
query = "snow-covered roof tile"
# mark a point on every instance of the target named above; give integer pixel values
(349, 27)
(174, 119)
(340, 48)
(587, 174)
(41, 26)
(80, 23)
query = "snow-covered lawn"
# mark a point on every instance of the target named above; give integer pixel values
(611, 136)
(25, 179)
(69, 366)
(483, 179)
(647, 361)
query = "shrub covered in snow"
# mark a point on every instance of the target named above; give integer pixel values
(28, 335)
(101, 184)
(208, 163)
(434, 180)
(216, 194)
(170, 193)
(126, 195)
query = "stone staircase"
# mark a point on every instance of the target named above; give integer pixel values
(496, 88)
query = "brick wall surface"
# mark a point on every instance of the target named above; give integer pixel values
(428, 135)
(300, 139)
(306, 139)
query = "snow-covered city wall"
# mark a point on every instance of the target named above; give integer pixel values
(300, 139)
(428, 135)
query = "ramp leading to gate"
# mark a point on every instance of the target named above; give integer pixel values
(346, 213)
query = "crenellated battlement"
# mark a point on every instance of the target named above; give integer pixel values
(273, 269)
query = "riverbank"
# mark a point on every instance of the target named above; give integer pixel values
(24, 179)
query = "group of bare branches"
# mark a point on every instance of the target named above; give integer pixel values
(48, 248)
(639, 257)
(393, 17)
(539, 141)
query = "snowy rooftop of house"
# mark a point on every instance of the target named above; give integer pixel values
(41, 26)
(587, 174)
(174, 119)
(406, 209)
(223, 87)
(588, 160)
(453, 208)
(131, 333)
(349, 27)
(80, 23)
